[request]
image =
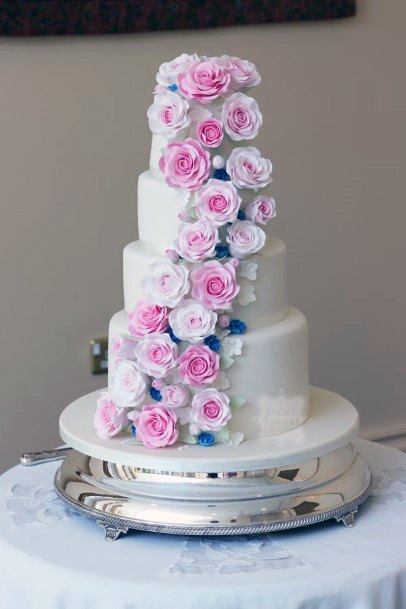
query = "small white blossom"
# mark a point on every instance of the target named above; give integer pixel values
(248, 269)
(246, 295)
(234, 438)
(230, 346)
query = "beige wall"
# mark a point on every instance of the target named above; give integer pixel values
(74, 137)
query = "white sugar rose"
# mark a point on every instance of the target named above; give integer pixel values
(167, 283)
(168, 71)
(217, 202)
(191, 321)
(247, 169)
(175, 396)
(196, 241)
(168, 115)
(156, 355)
(128, 384)
(243, 73)
(245, 238)
(241, 117)
(260, 210)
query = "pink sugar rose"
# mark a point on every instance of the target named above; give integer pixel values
(175, 396)
(241, 117)
(128, 384)
(191, 321)
(245, 238)
(204, 81)
(147, 318)
(260, 210)
(169, 114)
(168, 71)
(243, 73)
(196, 241)
(210, 410)
(156, 355)
(247, 169)
(210, 132)
(158, 384)
(214, 284)
(199, 365)
(185, 164)
(109, 418)
(167, 283)
(156, 426)
(172, 255)
(217, 202)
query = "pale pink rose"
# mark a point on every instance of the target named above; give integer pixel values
(168, 71)
(158, 384)
(169, 115)
(196, 241)
(191, 321)
(204, 81)
(121, 347)
(260, 210)
(156, 355)
(245, 238)
(223, 321)
(109, 418)
(217, 202)
(147, 318)
(199, 365)
(167, 283)
(210, 132)
(128, 384)
(247, 169)
(241, 117)
(185, 164)
(243, 73)
(175, 396)
(214, 284)
(211, 410)
(172, 255)
(156, 426)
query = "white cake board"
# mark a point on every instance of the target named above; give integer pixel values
(333, 423)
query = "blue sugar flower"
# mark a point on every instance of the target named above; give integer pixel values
(205, 438)
(172, 336)
(133, 429)
(155, 394)
(237, 326)
(222, 251)
(212, 342)
(241, 215)
(221, 174)
(173, 87)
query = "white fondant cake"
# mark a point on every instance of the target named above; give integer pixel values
(206, 351)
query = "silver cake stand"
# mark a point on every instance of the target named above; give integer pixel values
(299, 478)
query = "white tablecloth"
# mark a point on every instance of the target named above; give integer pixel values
(53, 559)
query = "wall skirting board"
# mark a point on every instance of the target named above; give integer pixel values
(392, 435)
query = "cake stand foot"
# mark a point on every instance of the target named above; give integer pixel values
(348, 519)
(112, 531)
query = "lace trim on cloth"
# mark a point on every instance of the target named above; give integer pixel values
(75, 17)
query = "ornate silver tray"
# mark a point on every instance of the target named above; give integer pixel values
(123, 497)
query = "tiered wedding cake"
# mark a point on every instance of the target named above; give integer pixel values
(207, 355)
(205, 201)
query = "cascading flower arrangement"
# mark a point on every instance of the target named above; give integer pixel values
(169, 380)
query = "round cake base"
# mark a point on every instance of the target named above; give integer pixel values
(122, 497)
(333, 423)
